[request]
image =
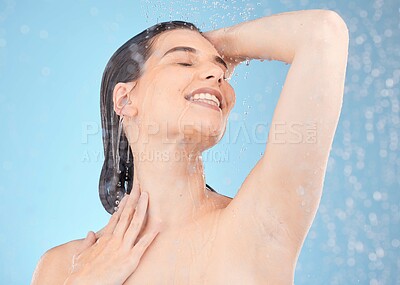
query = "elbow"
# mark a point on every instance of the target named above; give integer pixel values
(332, 29)
(334, 22)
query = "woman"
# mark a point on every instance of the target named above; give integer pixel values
(181, 232)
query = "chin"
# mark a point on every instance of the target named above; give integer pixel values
(203, 137)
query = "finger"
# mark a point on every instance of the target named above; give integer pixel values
(141, 246)
(87, 242)
(127, 213)
(137, 221)
(109, 228)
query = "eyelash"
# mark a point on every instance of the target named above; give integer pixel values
(185, 64)
(189, 64)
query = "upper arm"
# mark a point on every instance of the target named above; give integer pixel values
(285, 187)
(53, 266)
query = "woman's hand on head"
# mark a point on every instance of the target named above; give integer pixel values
(114, 254)
(223, 42)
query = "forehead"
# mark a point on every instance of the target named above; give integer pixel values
(181, 37)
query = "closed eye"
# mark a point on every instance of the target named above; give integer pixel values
(189, 64)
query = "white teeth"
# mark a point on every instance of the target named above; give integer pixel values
(205, 96)
(205, 101)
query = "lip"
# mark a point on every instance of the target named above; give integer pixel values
(208, 90)
(206, 105)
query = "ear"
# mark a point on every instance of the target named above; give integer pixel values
(123, 99)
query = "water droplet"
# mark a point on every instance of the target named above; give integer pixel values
(45, 71)
(300, 191)
(43, 34)
(25, 29)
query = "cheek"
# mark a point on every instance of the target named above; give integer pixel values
(234, 100)
(164, 99)
(173, 79)
(231, 97)
(172, 86)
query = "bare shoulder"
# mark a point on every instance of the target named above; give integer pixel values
(53, 266)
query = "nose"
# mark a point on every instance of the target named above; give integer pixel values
(213, 72)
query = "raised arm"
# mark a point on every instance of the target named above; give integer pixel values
(281, 194)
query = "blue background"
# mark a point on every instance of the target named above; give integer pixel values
(52, 55)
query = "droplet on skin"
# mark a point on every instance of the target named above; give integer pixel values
(300, 191)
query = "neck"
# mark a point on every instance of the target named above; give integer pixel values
(174, 178)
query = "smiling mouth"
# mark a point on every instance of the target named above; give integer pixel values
(206, 98)
(206, 101)
(207, 105)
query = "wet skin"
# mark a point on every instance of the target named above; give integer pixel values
(256, 237)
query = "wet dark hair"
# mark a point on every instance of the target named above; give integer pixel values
(125, 65)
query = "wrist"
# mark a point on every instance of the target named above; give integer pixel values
(223, 41)
(232, 38)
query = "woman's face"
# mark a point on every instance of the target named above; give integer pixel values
(164, 108)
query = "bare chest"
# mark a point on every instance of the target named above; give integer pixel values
(193, 264)
(204, 256)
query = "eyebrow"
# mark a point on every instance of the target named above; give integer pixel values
(216, 58)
